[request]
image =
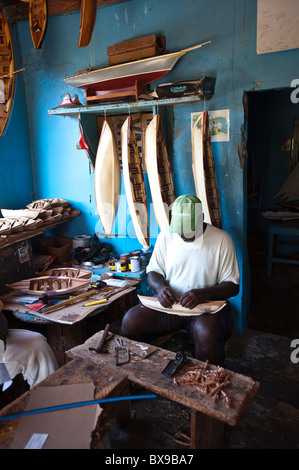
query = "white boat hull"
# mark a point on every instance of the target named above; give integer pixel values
(177, 309)
(107, 179)
(204, 171)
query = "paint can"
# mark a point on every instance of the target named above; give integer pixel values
(120, 266)
(134, 264)
(82, 241)
(143, 260)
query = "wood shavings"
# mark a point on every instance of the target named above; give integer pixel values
(209, 381)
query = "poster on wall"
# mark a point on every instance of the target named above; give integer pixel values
(218, 123)
(277, 25)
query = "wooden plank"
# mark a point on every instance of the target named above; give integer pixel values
(147, 373)
(107, 382)
(130, 56)
(19, 11)
(132, 45)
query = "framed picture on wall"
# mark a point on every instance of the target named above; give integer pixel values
(219, 124)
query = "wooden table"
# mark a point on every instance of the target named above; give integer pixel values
(207, 418)
(62, 337)
(107, 382)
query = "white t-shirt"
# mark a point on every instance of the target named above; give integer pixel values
(207, 261)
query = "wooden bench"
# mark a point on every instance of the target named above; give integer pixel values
(107, 383)
(207, 418)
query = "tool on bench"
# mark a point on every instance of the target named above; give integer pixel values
(122, 354)
(174, 364)
(95, 302)
(105, 337)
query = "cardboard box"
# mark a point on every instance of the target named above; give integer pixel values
(60, 247)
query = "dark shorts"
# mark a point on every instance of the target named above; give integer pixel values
(168, 323)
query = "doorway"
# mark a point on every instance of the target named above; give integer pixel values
(272, 146)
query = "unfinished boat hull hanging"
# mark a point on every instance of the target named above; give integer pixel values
(204, 173)
(158, 170)
(107, 179)
(6, 73)
(38, 18)
(88, 14)
(134, 182)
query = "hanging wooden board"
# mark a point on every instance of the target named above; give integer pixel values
(88, 14)
(6, 72)
(134, 182)
(38, 18)
(204, 171)
(107, 179)
(158, 169)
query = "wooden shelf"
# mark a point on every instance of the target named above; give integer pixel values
(26, 234)
(125, 107)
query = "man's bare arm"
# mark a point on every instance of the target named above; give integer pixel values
(164, 293)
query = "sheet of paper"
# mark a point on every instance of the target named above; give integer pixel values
(66, 429)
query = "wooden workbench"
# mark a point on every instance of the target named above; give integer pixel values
(67, 334)
(107, 383)
(207, 418)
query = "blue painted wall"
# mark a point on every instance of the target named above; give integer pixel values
(59, 169)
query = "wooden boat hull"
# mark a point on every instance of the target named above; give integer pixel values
(134, 182)
(68, 272)
(38, 19)
(204, 174)
(126, 75)
(159, 174)
(107, 179)
(50, 285)
(177, 309)
(88, 12)
(6, 72)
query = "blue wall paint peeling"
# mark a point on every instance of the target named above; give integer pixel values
(59, 169)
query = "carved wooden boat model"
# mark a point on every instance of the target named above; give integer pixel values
(75, 273)
(204, 173)
(6, 72)
(134, 182)
(19, 213)
(125, 75)
(5, 227)
(107, 179)
(206, 307)
(50, 285)
(88, 14)
(159, 174)
(38, 18)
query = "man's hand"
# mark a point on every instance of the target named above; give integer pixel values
(166, 297)
(193, 297)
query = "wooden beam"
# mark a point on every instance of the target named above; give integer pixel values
(17, 10)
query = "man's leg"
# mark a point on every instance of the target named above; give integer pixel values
(209, 333)
(144, 324)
